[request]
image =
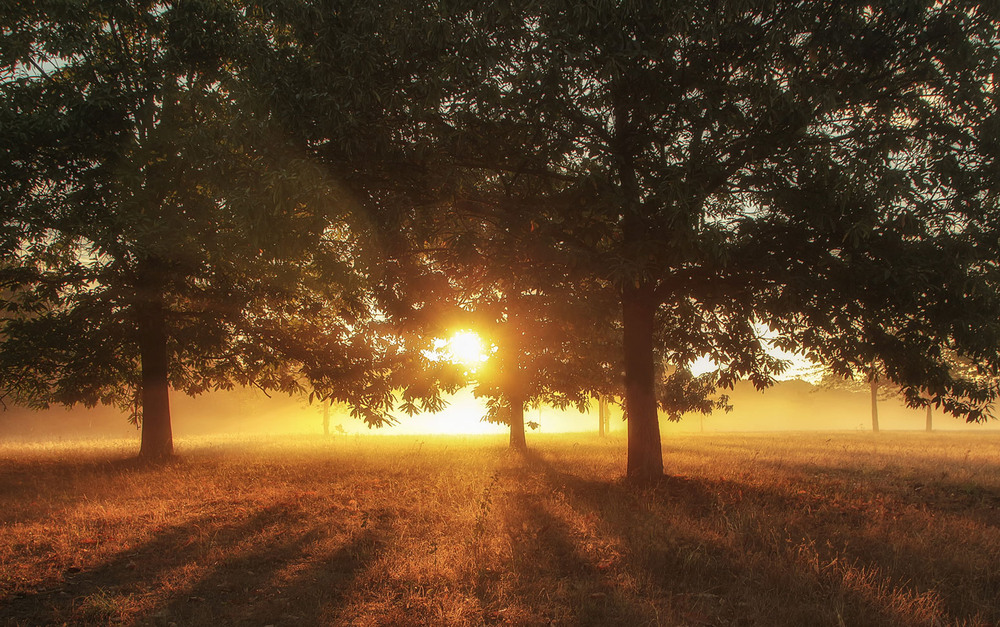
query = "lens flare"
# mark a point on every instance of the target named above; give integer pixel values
(466, 347)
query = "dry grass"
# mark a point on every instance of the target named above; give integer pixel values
(842, 529)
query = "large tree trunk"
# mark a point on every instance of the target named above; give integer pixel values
(639, 304)
(157, 438)
(602, 415)
(326, 418)
(930, 419)
(517, 441)
(645, 457)
(874, 386)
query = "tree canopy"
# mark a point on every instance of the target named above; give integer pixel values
(153, 230)
(827, 171)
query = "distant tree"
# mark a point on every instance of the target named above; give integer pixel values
(872, 378)
(873, 381)
(602, 415)
(551, 340)
(148, 240)
(538, 360)
(960, 369)
(868, 380)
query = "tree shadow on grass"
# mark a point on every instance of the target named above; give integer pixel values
(954, 490)
(136, 567)
(63, 481)
(275, 567)
(551, 578)
(943, 494)
(297, 579)
(721, 552)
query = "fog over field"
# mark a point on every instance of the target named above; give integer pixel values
(789, 406)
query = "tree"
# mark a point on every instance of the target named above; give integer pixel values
(602, 415)
(361, 91)
(148, 239)
(825, 170)
(869, 380)
(551, 339)
(961, 370)
(541, 357)
(871, 377)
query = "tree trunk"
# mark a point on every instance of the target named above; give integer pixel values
(157, 438)
(639, 304)
(645, 457)
(930, 412)
(602, 415)
(874, 386)
(517, 441)
(326, 419)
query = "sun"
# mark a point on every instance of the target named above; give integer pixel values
(466, 347)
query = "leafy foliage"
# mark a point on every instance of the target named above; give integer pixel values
(827, 171)
(134, 177)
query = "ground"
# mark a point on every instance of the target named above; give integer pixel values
(768, 529)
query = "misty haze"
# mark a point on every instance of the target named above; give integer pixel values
(535, 313)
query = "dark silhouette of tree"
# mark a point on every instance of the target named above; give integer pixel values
(824, 170)
(551, 339)
(148, 238)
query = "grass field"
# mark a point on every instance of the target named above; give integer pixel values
(776, 529)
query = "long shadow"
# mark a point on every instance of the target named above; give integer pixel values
(138, 565)
(743, 575)
(947, 495)
(293, 580)
(63, 480)
(323, 589)
(251, 584)
(550, 570)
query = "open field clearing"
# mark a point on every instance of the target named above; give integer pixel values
(769, 529)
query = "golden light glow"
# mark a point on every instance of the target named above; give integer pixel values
(462, 416)
(466, 347)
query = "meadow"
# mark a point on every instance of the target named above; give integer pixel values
(746, 529)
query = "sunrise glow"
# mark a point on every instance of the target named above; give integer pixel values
(466, 348)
